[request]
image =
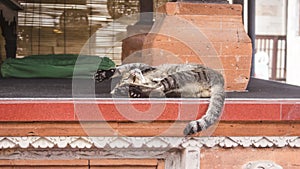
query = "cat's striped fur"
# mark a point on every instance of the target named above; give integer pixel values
(171, 80)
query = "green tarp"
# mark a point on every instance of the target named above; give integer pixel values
(55, 66)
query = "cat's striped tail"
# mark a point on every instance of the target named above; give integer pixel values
(213, 112)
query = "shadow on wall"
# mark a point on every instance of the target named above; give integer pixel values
(2, 47)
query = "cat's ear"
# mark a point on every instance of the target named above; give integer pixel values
(102, 75)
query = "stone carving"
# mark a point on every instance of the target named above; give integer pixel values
(71, 153)
(147, 142)
(178, 152)
(262, 165)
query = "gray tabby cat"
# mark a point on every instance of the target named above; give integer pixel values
(139, 80)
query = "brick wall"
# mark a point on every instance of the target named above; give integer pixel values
(238, 158)
(209, 34)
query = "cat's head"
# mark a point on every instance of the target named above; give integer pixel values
(137, 76)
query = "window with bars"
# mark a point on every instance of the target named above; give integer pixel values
(275, 47)
(64, 26)
(57, 26)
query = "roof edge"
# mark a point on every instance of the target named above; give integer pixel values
(13, 4)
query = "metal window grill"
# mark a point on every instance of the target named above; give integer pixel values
(54, 26)
(275, 47)
(119, 8)
(64, 26)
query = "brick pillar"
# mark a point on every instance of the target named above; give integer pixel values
(202, 1)
(204, 33)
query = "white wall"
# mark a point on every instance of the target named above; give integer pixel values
(270, 17)
(293, 42)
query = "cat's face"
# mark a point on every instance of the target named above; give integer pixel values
(137, 76)
(132, 76)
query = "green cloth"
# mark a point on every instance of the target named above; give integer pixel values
(55, 66)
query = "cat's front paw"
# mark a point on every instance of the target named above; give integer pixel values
(102, 75)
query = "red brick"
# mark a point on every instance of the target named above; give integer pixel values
(175, 47)
(146, 110)
(207, 9)
(236, 87)
(203, 21)
(236, 62)
(236, 80)
(139, 112)
(249, 112)
(152, 37)
(191, 59)
(226, 35)
(88, 111)
(232, 22)
(37, 112)
(233, 18)
(213, 62)
(187, 34)
(171, 8)
(290, 112)
(167, 58)
(132, 44)
(118, 112)
(193, 111)
(236, 48)
(237, 158)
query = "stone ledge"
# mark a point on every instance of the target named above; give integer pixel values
(146, 129)
(128, 110)
(147, 143)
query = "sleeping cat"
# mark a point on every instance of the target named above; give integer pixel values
(139, 80)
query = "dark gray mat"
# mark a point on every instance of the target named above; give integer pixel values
(68, 88)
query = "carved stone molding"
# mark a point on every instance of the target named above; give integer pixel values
(91, 142)
(69, 153)
(145, 142)
(178, 152)
(262, 164)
